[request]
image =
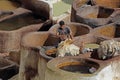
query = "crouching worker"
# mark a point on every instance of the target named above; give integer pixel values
(63, 32)
(66, 46)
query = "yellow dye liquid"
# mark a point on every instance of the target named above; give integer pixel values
(93, 46)
(8, 5)
(92, 15)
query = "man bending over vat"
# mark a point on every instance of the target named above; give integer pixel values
(65, 46)
(64, 32)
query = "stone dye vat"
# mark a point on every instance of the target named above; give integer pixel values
(70, 68)
(7, 68)
(93, 15)
(14, 26)
(80, 67)
(77, 30)
(18, 18)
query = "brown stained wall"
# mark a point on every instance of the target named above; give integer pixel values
(35, 39)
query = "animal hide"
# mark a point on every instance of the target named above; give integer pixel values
(67, 48)
(108, 49)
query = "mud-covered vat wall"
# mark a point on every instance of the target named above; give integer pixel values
(110, 30)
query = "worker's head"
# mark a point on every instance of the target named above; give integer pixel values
(61, 23)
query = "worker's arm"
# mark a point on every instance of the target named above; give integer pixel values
(71, 35)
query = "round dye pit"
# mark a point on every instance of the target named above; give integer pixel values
(74, 68)
(82, 67)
